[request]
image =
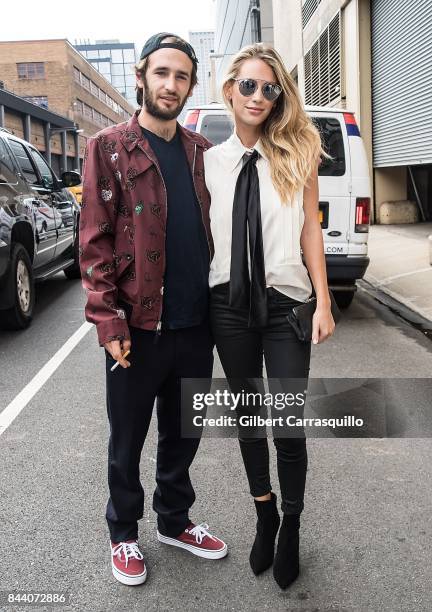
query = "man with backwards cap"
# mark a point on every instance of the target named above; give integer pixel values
(145, 248)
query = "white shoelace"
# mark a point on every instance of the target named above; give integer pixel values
(200, 531)
(129, 550)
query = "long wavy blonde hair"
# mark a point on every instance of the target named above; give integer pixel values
(289, 138)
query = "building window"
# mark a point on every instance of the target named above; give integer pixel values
(118, 80)
(323, 67)
(88, 111)
(31, 70)
(94, 89)
(129, 55)
(77, 75)
(79, 106)
(308, 9)
(85, 81)
(117, 56)
(39, 100)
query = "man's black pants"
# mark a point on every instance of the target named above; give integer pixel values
(156, 372)
(241, 350)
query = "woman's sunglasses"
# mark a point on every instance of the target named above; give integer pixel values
(270, 91)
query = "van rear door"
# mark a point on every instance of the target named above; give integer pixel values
(334, 177)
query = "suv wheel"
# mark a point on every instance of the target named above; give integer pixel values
(22, 280)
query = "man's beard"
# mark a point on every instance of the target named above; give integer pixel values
(159, 113)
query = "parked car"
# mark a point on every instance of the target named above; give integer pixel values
(344, 189)
(38, 227)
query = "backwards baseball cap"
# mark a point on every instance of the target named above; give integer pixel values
(155, 42)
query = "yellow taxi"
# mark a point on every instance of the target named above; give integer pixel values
(77, 192)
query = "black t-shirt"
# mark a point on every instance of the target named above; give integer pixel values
(185, 299)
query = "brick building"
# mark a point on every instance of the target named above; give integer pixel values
(52, 76)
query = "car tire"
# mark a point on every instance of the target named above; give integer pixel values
(21, 278)
(73, 271)
(343, 298)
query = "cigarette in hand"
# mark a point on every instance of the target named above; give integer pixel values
(117, 363)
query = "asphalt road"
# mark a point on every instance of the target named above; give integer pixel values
(366, 528)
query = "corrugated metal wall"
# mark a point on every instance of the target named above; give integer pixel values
(401, 82)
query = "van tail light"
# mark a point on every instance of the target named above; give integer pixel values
(351, 125)
(191, 120)
(362, 211)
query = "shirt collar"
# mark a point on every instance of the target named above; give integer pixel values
(236, 150)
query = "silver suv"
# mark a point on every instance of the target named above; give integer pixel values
(38, 227)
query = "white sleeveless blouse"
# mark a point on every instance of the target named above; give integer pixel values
(281, 224)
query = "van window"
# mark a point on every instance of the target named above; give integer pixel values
(7, 168)
(332, 142)
(216, 128)
(24, 162)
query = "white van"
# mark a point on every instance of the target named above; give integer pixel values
(344, 189)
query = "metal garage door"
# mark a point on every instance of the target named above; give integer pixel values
(401, 82)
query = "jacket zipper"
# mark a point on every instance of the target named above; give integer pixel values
(198, 200)
(158, 328)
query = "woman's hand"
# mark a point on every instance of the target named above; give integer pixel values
(323, 324)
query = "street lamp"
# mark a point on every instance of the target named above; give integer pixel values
(65, 129)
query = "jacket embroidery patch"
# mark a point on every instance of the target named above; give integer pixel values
(131, 275)
(131, 136)
(131, 181)
(105, 228)
(139, 207)
(153, 256)
(147, 302)
(155, 209)
(106, 268)
(107, 145)
(104, 182)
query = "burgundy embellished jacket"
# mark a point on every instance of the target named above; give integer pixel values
(123, 224)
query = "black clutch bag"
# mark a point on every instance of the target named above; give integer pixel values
(300, 317)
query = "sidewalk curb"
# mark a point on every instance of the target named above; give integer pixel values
(397, 305)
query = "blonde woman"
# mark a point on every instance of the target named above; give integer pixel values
(263, 183)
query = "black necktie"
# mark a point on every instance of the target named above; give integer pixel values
(248, 292)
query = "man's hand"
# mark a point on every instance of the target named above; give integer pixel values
(117, 348)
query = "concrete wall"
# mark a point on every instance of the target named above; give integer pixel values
(288, 39)
(267, 34)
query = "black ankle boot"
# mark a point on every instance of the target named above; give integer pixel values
(262, 553)
(286, 563)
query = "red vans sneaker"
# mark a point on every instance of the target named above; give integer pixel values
(197, 540)
(127, 563)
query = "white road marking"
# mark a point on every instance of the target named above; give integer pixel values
(9, 414)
